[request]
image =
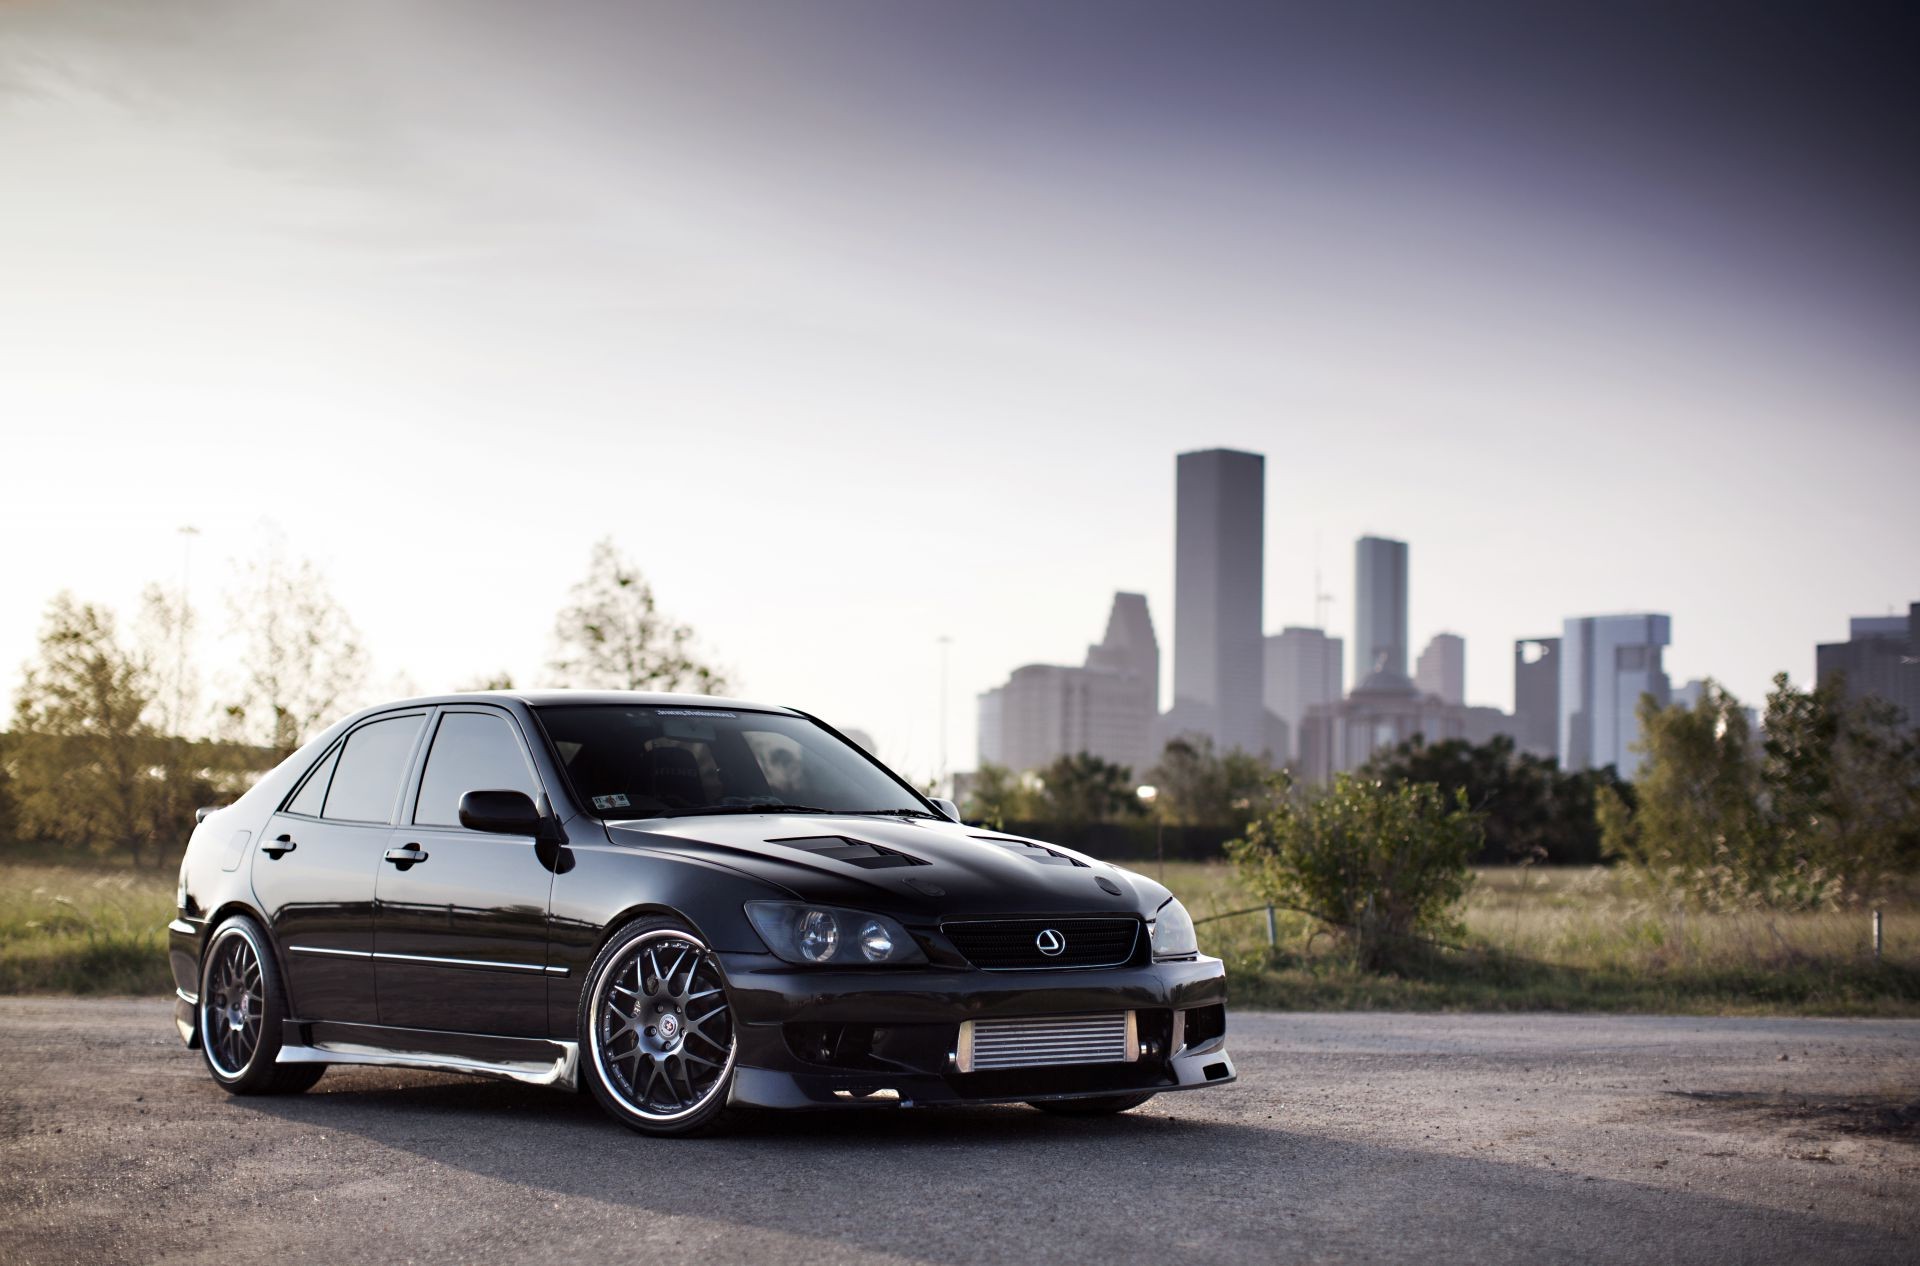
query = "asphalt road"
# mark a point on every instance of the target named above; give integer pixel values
(1354, 1137)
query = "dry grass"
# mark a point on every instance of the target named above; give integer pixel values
(1578, 939)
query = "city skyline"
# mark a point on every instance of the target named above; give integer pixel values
(896, 334)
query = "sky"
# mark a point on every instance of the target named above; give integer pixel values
(863, 325)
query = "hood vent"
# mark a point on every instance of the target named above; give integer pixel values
(852, 852)
(1032, 852)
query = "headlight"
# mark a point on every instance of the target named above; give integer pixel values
(811, 935)
(1173, 935)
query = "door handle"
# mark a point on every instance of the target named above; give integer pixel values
(405, 857)
(283, 844)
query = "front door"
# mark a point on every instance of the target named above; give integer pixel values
(317, 864)
(460, 936)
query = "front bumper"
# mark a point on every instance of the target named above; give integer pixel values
(894, 1032)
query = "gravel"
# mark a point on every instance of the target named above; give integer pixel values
(1349, 1137)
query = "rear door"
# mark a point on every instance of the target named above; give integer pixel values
(314, 872)
(460, 936)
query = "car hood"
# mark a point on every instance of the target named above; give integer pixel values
(914, 866)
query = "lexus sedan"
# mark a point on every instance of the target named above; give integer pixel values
(680, 902)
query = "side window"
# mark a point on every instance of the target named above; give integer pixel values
(472, 751)
(313, 792)
(373, 764)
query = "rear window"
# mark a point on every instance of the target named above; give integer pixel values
(372, 767)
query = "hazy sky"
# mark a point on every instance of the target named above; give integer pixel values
(860, 324)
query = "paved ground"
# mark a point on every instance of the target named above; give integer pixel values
(1349, 1138)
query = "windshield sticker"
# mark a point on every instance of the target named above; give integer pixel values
(692, 712)
(610, 802)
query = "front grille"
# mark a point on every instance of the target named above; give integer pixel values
(1003, 944)
(1040, 1041)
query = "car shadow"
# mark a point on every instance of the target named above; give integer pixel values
(946, 1184)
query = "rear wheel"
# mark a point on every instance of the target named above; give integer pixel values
(242, 1008)
(1101, 1106)
(657, 1030)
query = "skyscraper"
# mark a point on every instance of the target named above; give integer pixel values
(1105, 707)
(1220, 526)
(1880, 659)
(1606, 663)
(1304, 667)
(1380, 612)
(1442, 669)
(1536, 695)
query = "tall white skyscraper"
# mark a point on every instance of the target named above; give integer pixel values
(1606, 663)
(1304, 667)
(1380, 612)
(1219, 531)
(1442, 669)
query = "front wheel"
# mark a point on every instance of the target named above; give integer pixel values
(657, 1030)
(242, 1008)
(1102, 1106)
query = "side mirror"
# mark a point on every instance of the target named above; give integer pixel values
(947, 807)
(500, 812)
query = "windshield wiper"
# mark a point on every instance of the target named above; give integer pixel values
(896, 813)
(715, 809)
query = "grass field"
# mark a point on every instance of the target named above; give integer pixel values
(1574, 939)
(1562, 940)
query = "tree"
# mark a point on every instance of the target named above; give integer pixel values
(1382, 864)
(1082, 788)
(301, 658)
(1840, 783)
(82, 748)
(1195, 787)
(612, 635)
(1532, 810)
(997, 796)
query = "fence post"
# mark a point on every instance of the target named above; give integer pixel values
(1876, 936)
(1273, 930)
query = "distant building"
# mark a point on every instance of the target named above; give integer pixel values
(1479, 725)
(1380, 612)
(1442, 668)
(1219, 530)
(1340, 736)
(1880, 659)
(1606, 663)
(1688, 696)
(1304, 667)
(1106, 707)
(1536, 695)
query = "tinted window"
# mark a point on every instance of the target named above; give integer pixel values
(472, 751)
(632, 762)
(313, 792)
(373, 764)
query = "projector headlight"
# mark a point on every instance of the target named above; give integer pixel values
(819, 935)
(1173, 935)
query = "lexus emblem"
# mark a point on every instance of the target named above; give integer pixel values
(1050, 943)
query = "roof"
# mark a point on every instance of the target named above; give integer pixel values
(641, 698)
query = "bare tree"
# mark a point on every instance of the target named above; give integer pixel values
(301, 657)
(612, 636)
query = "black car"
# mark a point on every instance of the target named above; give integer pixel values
(680, 901)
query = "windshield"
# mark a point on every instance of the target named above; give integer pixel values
(642, 761)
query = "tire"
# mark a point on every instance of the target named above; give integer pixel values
(1103, 1106)
(656, 1030)
(242, 1008)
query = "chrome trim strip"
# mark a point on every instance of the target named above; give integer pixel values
(563, 1071)
(327, 952)
(479, 964)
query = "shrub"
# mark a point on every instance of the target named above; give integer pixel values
(1383, 865)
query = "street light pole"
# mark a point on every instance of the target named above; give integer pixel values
(945, 644)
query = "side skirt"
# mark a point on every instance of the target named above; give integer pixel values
(534, 1061)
